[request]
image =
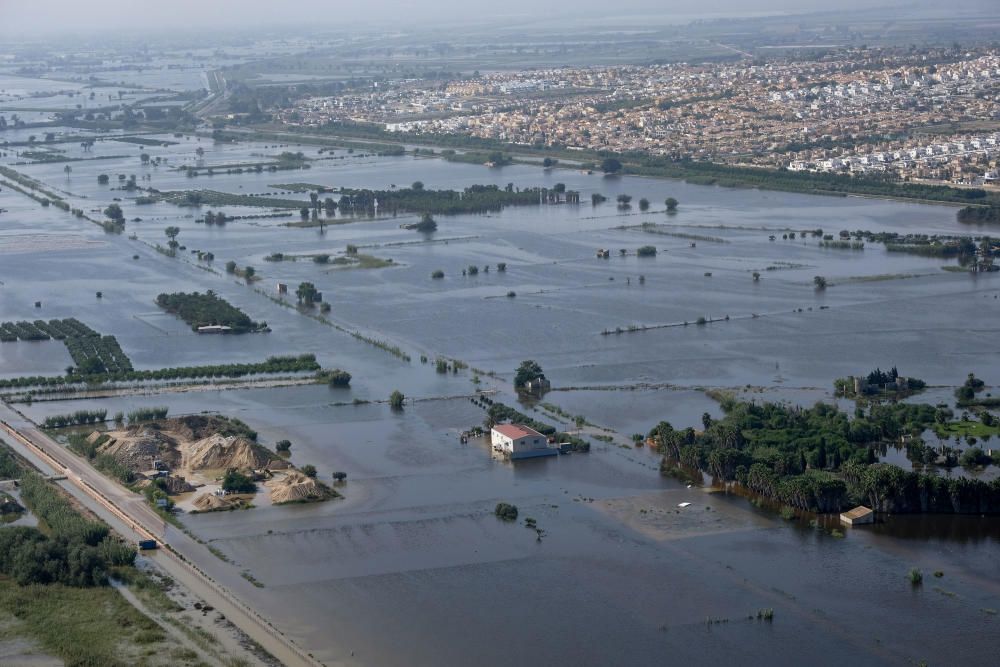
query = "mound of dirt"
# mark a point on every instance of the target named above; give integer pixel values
(177, 485)
(196, 427)
(209, 502)
(137, 449)
(218, 452)
(296, 487)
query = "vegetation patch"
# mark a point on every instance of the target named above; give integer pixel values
(81, 626)
(208, 309)
(819, 459)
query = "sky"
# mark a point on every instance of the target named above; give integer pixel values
(31, 16)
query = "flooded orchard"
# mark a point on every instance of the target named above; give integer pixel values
(411, 567)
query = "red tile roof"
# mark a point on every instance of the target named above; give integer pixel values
(515, 431)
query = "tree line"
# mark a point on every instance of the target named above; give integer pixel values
(278, 364)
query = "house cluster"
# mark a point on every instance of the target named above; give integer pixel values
(853, 111)
(968, 160)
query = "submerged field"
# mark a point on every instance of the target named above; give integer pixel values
(622, 574)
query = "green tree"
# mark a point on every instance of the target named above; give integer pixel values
(611, 165)
(309, 470)
(671, 204)
(114, 211)
(236, 482)
(819, 282)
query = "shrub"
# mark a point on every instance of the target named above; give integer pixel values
(506, 512)
(438, 274)
(337, 378)
(396, 399)
(646, 251)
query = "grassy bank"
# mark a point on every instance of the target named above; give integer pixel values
(83, 626)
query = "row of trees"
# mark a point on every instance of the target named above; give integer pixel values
(279, 364)
(75, 418)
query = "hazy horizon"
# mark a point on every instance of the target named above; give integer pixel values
(55, 16)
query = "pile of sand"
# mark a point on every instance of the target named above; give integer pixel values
(209, 502)
(218, 452)
(296, 486)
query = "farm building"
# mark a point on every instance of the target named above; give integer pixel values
(858, 515)
(520, 442)
(214, 329)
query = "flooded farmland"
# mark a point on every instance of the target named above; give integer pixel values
(411, 567)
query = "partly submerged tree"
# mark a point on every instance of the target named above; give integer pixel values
(527, 372)
(611, 165)
(306, 294)
(396, 399)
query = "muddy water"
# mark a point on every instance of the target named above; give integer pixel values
(411, 567)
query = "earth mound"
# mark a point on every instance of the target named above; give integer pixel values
(217, 452)
(297, 487)
(137, 448)
(209, 502)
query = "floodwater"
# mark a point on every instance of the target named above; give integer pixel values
(411, 567)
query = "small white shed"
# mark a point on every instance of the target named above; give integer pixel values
(858, 515)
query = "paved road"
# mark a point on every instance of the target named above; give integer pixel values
(128, 513)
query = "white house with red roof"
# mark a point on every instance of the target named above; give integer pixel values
(520, 442)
